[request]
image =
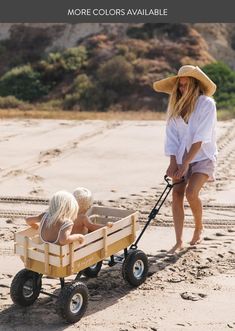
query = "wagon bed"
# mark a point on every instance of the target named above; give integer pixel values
(61, 261)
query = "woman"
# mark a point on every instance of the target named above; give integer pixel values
(190, 143)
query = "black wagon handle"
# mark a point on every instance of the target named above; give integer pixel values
(157, 206)
(167, 179)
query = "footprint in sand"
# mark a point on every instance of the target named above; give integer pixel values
(99, 203)
(220, 234)
(193, 296)
(49, 154)
(34, 178)
(14, 173)
(208, 238)
(36, 191)
(175, 279)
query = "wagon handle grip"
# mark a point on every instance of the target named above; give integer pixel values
(167, 179)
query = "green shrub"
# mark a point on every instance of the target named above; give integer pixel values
(82, 96)
(114, 80)
(81, 84)
(9, 102)
(51, 69)
(56, 65)
(22, 82)
(71, 101)
(3, 49)
(224, 78)
(74, 58)
(71, 59)
(117, 74)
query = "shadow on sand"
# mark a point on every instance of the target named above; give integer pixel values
(104, 291)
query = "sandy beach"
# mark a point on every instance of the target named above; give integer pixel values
(123, 164)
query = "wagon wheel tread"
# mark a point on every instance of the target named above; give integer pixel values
(63, 303)
(16, 290)
(127, 268)
(93, 272)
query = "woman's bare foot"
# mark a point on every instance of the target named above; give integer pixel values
(175, 249)
(197, 236)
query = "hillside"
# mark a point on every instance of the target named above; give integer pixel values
(118, 62)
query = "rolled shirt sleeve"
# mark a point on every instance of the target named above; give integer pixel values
(206, 122)
(171, 138)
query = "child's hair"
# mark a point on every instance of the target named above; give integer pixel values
(84, 198)
(62, 206)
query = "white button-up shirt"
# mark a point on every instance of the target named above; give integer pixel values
(201, 127)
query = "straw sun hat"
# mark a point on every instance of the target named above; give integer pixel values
(166, 85)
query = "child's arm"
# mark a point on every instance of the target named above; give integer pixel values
(66, 237)
(95, 226)
(33, 220)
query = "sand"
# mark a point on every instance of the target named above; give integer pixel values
(123, 164)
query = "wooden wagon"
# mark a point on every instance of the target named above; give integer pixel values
(62, 261)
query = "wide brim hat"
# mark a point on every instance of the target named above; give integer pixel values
(166, 85)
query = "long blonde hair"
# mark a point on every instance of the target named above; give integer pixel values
(178, 102)
(63, 206)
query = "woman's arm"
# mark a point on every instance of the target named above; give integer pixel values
(171, 146)
(192, 152)
(206, 122)
(172, 142)
(66, 237)
(172, 168)
(189, 157)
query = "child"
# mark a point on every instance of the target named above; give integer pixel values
(83, 224)
(55, 225)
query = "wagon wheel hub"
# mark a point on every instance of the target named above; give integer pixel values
(138, 269)
(76, 303)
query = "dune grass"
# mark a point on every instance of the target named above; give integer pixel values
(78, 115)
(226, 115)
(223, 115)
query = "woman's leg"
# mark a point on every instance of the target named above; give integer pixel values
(178, 214)
(196, 182)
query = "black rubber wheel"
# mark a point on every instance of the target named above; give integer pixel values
(135, 267)
(25, 287)
(93, 270)
(72, 302)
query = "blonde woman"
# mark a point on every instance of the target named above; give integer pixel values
(83, 224)
(55, 225)
(190, 143)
